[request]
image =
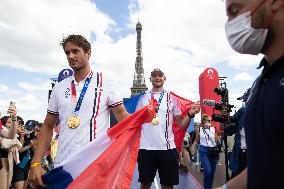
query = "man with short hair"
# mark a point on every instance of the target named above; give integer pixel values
(157, 147)
(253, 27)
(81, 103)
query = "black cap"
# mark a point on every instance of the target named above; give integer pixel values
(245, 95)
(30, 124)
(157, 70)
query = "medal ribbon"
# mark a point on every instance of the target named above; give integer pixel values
(83, 92)
(159, 101)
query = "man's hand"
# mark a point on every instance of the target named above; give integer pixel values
(195, 108)
(35, 177)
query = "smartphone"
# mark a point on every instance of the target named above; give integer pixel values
(12, 103)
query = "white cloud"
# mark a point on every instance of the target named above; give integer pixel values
(42, 87)
(29, 105)
(233, 100)
(244, 76)
(243, 62)
(181, 37)
(3, 87)
(30, 35)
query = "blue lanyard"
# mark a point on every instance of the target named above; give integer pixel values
(159, 101)
(83, 92)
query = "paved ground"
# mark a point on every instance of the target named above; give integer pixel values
(220, 174)
(194, 180)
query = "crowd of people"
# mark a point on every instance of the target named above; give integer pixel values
(83, 111)
(18, 141)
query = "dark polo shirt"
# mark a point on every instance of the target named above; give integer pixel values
(264, 127)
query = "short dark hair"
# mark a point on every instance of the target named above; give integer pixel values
(77, 40)
(4, 120)
(20, 120)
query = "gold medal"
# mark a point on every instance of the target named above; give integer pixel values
(74, 122)
(155, 120)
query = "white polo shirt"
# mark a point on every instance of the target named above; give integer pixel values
(204, 140)
(94, 112)
(159, 137)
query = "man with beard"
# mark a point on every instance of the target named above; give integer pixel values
(81, 102)
(253, 27)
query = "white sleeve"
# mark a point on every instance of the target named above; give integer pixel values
(140, 103)
(53, 101)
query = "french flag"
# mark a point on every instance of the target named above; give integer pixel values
(179, 133)
(108, 162)
(185, 105)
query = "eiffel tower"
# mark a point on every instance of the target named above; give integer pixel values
(139, 79)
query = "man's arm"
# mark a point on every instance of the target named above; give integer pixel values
(238, 182)
(43, 144)
(184, 122)
(120, 112)
(12, 131)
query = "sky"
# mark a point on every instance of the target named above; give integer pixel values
(181, 37)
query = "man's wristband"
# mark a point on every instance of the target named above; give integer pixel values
(190, 116)
(224, 186)
(36, 164)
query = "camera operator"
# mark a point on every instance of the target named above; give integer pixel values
(208, 151)
(238, 155)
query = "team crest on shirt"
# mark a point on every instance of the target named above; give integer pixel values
(67, 93)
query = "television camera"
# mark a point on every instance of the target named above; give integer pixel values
(224, 107)
(224, 117)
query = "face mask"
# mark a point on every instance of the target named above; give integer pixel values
(242, 37)
(207, 124)
(28, 131)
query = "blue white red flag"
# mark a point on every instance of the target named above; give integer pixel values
(108, 161)
(185, 105)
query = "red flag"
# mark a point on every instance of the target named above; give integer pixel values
(179, 132)
(114, 168)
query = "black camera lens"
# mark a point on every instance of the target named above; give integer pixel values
(219, 118)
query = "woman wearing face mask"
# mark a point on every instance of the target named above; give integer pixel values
(208, 154)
